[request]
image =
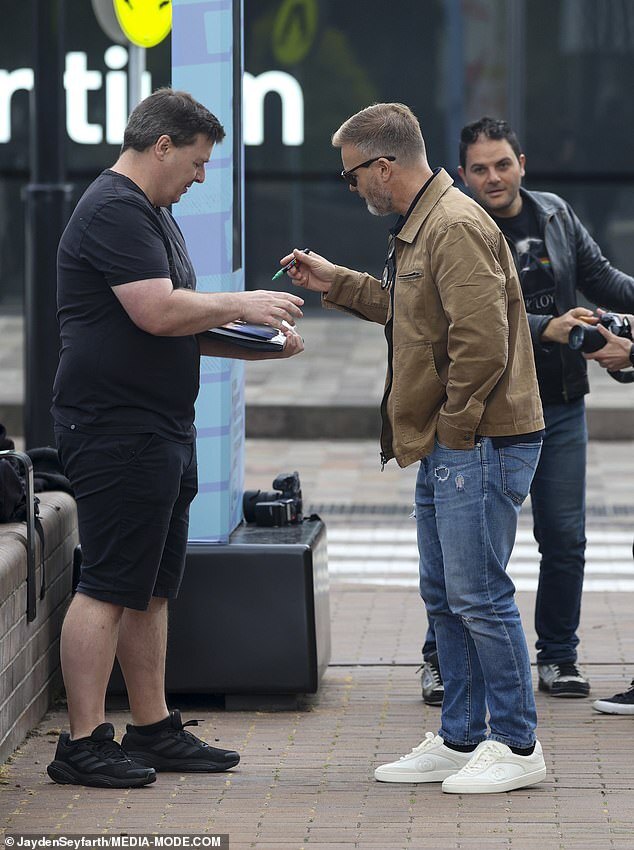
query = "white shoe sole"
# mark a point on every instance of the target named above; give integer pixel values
(499, 787)
(412, 777)
(605, 707)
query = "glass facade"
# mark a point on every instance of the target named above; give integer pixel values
(96, 103)
(558, 70)
(442, 58)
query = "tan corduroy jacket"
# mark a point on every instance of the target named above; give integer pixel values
(462, 358)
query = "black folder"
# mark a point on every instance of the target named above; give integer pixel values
(259, 337)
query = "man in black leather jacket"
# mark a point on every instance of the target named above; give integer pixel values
(616, 355)
(556, 258)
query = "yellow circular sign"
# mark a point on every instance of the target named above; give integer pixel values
(144, 22)
(294, 30)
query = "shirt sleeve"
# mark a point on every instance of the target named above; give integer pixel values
(124, 243)
(358, 293)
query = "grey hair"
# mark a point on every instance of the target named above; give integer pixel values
(383, 129)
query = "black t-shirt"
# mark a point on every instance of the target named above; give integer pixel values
(114, 378)
(538, 286)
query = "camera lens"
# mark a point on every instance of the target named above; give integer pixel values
(249, 501)
(252, 498)
(586, 339)
(575, 337)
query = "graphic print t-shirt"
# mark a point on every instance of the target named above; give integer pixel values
(114, 378)
(538, 286)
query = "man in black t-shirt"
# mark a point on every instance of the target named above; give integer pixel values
(556, 258)
(123, 404)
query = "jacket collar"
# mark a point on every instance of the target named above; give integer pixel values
(428, 200)
(540, 202)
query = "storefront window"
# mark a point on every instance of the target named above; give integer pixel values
(558, 70)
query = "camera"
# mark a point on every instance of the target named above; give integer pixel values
(587, 338)
(281, 507)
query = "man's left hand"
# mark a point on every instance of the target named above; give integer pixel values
(559, 327)
(223, 348)
(294, 345)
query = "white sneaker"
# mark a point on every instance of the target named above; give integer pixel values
(430, 761)
(493, 767)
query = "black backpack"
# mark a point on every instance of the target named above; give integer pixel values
(12, 493)
(12, 488)
(47, 475)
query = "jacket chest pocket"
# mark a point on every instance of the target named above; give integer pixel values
(411, 303)
(418, 312)
(413, 275)
(408, 287)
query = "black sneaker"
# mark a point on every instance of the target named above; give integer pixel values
(97, 761)
(431, 681)
(562, 680)
(168, 746)
(618, 704)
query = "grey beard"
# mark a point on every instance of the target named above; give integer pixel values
(372, 209)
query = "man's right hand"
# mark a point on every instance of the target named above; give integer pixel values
(262, 307)
(558, 329)
(615, 354)
(311, 271)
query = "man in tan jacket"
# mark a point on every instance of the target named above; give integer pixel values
(461, 398)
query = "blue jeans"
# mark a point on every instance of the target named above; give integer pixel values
(467, 505)
(558, 500)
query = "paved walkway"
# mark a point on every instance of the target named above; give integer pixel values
(306, 776)
(305, 780)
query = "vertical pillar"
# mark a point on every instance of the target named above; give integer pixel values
(455, 75)
(47, 200)
(136, 70)
(516, 65)
(207, 62)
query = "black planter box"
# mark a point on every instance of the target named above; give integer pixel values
(252, 616)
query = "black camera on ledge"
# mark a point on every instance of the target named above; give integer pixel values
(586, 338)
(281, 507)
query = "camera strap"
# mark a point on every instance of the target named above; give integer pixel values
(622, 377)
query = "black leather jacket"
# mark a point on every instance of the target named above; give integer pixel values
(577, 264)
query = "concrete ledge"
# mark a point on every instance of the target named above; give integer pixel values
(29, 652)
(313, 422)
(363, 422)
(610, 423)
(348, 422)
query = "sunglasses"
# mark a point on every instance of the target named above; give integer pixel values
(351, 178)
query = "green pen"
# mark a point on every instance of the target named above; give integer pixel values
(292, 263)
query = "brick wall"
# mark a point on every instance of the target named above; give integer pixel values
(30, 672)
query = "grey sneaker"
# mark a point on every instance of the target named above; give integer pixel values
(562, 680)
(431, 681)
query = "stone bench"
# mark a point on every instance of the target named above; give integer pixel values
(30, 673)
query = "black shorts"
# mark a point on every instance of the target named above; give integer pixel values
(133, 493)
